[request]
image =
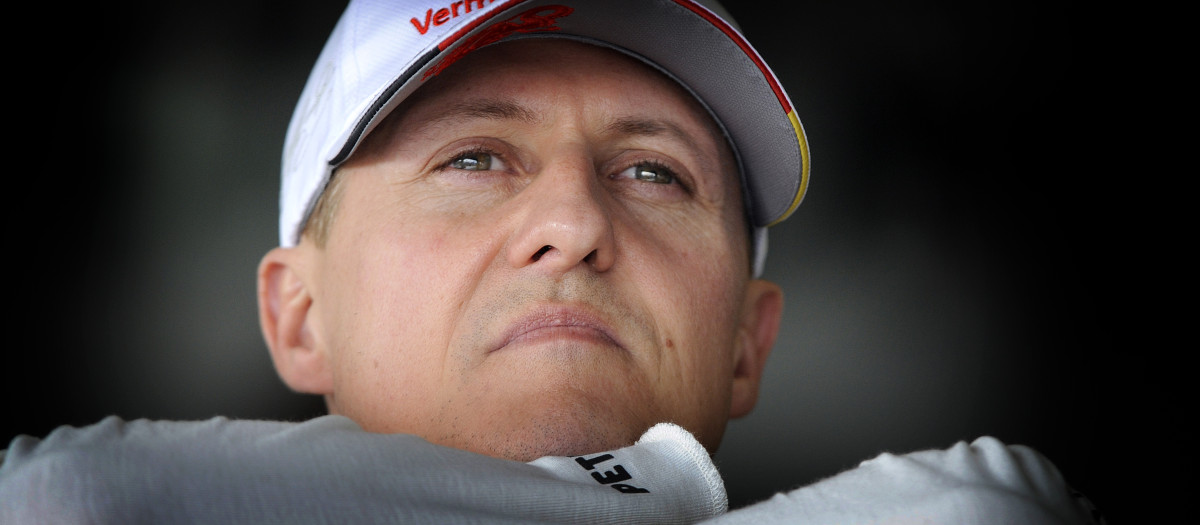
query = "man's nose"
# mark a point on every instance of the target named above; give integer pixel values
(565, 220)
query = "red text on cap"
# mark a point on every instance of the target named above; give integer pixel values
(444, 14)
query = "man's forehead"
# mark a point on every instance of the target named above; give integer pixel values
(509, 110)
(468, 91)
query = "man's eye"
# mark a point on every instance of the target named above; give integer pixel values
(651, 173)
(472, 161)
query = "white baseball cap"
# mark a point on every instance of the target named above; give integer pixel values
(381, 51)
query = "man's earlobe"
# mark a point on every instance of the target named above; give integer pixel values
(285, 304)
(761, 315)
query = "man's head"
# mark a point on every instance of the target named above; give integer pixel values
(543, 250)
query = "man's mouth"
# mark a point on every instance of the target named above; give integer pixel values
(557, 323)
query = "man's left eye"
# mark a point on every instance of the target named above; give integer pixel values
(472, 161)
(650, 173)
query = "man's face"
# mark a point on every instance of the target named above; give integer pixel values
(542, 252)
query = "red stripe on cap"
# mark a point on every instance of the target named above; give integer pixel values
(741, 42)
(476, 23)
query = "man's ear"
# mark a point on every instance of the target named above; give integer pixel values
(285, 308)
(761, 314)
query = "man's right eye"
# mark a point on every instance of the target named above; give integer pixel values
(472, 161)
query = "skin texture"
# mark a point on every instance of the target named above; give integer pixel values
(541, 252)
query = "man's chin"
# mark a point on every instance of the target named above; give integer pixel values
(551, 434)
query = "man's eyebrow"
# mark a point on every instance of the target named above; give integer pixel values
(648, 127)
(643, 126)
(487, 109)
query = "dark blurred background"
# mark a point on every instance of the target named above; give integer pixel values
(960, 268)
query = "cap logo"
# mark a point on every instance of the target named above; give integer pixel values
(444, 14)
(536, 20)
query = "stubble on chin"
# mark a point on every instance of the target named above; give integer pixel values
(551, 432)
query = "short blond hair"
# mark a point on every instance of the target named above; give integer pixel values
(320, 221)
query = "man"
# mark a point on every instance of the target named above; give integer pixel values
(559, 234)
(519, 243)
